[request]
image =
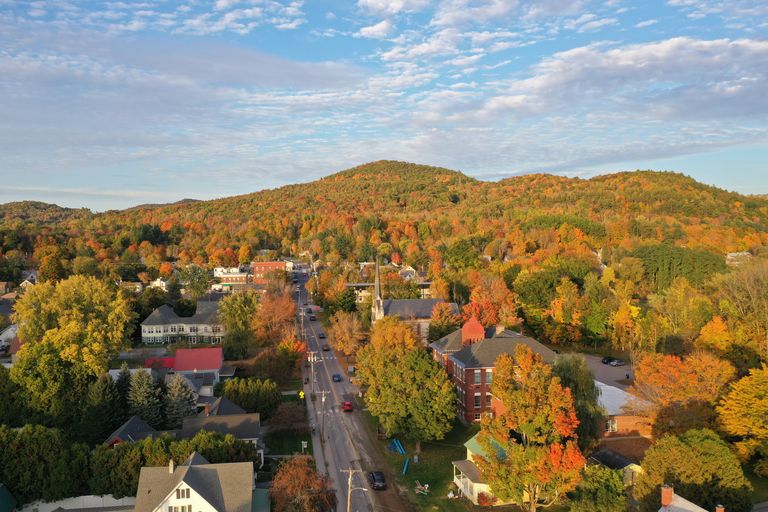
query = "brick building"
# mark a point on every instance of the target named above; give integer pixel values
(469, 356)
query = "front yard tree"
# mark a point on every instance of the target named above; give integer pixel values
(576, 375)
(407, 391)
(346, 332)
(253, 395)
(697, 464)
(531, 452)
(179, 402)
(145, 399)
(298, 487)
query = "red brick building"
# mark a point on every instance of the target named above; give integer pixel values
(469, 356)
(260, 270)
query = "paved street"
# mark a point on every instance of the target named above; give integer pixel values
(346, 444)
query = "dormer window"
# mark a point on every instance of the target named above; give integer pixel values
(182, 494)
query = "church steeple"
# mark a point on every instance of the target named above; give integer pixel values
(377, 305)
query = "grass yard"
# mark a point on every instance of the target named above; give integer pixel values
(759, 484)
(286, 443)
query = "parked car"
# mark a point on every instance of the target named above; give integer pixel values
(321, 335)
(607, 360)
(312, 317)
(618, 362)
(326, 348)
(346, 406)
(377, 480)
(336, 377)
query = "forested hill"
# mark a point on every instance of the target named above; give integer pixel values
(412, 212)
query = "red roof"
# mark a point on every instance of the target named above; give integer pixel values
(160, 362)
(199, 359)
(472, 331)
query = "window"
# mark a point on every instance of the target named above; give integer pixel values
(477, 400)
(488, 376)
(477, 377)
(610, 425)
(488, 398)
(477, 416)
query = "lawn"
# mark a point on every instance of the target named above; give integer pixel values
(759, 484)
(287, 443)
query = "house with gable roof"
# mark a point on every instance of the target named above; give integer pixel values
(197, 485)
(163, 325)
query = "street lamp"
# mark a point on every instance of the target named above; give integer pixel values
(351, 472)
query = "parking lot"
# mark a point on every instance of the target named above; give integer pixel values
(611, 375)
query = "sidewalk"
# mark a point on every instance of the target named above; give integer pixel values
(317, 445)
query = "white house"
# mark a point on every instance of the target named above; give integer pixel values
(196, 486)
(468, 479)
(159, 283)
(165, 326)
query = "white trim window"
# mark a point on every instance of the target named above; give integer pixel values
(610, 425)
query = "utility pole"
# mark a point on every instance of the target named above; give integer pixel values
(311, 358)
(322, 414)
(350, 472)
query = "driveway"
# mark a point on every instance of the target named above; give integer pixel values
(607, 374)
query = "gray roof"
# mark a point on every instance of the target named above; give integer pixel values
(132, 430)
(611, 459)
(413, 308)
(227, 487)
(483, 354)
(195, 459)
(242, 426)
(448, 343)
(223, 406)
(206, 313)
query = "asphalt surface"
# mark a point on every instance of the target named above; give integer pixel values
(342, 438)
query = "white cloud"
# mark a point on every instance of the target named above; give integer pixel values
(392, 6)
(378, 31)
(646, 23)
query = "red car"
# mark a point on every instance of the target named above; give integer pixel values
(346, 406)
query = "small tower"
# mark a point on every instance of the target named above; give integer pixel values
(377, 306)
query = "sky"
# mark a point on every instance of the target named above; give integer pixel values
(109, 104)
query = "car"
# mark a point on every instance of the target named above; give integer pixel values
(607, 360)
(294, 281)
(617, 362)
(336, 377)
(326, 348)
(321, 335)
(312, 317)
(346, 406)
(305, 303)
(376, 478)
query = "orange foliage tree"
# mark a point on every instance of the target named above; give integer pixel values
(297, 487)
(666, 380)
(531, 455)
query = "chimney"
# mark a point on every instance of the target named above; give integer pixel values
(667, 495)
(206, 410)
(171, 466)
(472, 331)
(719, 508)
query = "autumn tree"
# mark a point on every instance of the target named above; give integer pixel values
(682, 308)
(700, 466)
(601, 490)
(276, 312)
(743, 413)
(346, 332)
(531, 452)
(407, 391)
(745, 293)
(665, 380)
(298, 487)
(237, 312)
(575, 375)
(443, 321)
(179, 401)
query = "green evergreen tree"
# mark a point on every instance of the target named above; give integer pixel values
(122, 385)
(179, 402)
(102, 414)
(145, 399)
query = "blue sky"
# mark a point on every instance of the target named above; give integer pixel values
(107, 104)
